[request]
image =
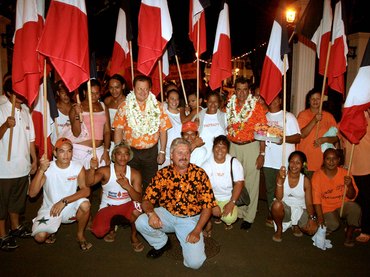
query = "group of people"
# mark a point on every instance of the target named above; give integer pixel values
(169, 169)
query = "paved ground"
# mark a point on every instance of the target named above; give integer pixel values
(242, 253)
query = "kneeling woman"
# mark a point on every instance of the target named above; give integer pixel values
(227, 179)
(293, 204)
(121, 186)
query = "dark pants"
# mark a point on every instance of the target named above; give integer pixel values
(363, 199)
(145, 160)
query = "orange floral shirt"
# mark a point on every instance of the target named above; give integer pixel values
(244, 131)
(181, 194)
(142, 142)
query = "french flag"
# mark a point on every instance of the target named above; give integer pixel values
(27, 63)
(155, 30)
(197, 17)
(315, 24)
(221, 67)
(65, 41)
(121, 51)
(273, 65)
(338, 52)
(353, 124)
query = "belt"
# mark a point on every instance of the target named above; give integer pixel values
(244, 142)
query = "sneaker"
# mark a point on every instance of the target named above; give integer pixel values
(8, 243)
(245, 225)
(21, 232)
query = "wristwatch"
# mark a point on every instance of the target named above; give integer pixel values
(313, 217)
(65, 202)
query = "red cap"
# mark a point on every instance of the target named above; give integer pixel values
(189, 126)
(62, 141)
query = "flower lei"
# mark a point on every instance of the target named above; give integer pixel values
(245, 113)
(142, 122)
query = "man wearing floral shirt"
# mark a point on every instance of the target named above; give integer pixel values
(243, 112)
(140, 122)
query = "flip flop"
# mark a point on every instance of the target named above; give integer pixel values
(349, 243)
(137, 246)
(84, 245)
(228, 227)
(363, 238)
(51, 239)
(110, 237)
(276, 239)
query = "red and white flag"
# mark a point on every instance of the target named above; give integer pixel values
(338, 53)
(197, 17)
(273, 65)
(155, 30)
(221, 67)
(315, 24)
(65, 41)
(353, 124)
(27, 63)
(156, 81)
(121, 51)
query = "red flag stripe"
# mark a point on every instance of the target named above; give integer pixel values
(65, 41)
(197, 16)
(155, 30)
(221, 67)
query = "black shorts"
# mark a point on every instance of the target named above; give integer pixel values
(13, 195)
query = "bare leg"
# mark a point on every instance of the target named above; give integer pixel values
(348, 236)
(14, 220)
(2, 228)
(277, 212)
(83, 215)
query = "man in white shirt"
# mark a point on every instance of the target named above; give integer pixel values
(190, 133)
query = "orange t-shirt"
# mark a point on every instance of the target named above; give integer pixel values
(314, 154)
(145, 141)
(329, 192)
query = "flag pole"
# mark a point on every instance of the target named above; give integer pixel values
(323, 88)
(11, 128)
(132, 63)
(91, 117)
(160, 78)
(79, 102)
(348, 172)
(181, 80)
(284, 111)
(45, 117)
(198, 30)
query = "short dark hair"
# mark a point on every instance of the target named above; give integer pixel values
(221, 139)
(143, 78)
(302, 156)
(309, 94)
(242, 80)
(119, 78)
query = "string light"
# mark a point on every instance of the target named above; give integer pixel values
(241, 56)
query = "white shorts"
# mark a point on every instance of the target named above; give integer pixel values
(50, 224)
(83, 154)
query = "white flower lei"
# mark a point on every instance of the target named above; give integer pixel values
(245, 113)
(143, 122)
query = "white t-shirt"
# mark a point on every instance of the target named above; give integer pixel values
(198, 156)
(274, 152)
(211, 129)
(172, 133)
(220, 177)
(60, 183)
(61, 120)
(23, 134)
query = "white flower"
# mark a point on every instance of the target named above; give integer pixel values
(245, 113)
(143, 122)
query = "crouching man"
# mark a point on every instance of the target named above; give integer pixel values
(184, 200)
(64, 195)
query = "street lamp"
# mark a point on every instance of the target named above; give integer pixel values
(290, 15)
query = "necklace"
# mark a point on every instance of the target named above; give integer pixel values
(144, 122)
(233, 116)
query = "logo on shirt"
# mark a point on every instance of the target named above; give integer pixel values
(72, 178)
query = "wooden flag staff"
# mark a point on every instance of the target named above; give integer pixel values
(11, 128)
(91, 118)
(45, 111)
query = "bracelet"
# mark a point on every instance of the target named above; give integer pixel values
(233, 201)
(313, 217)
(262, 153)
(77, 117)
(162, 152)
(279, 185)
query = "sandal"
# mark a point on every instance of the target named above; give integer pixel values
(137, 246)
(363, 238)
(51, 239)
(228, 227)
(276, 239)
(297, 232)
(349, 243)
(110, 237)
(218, 221)
(84, 245)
